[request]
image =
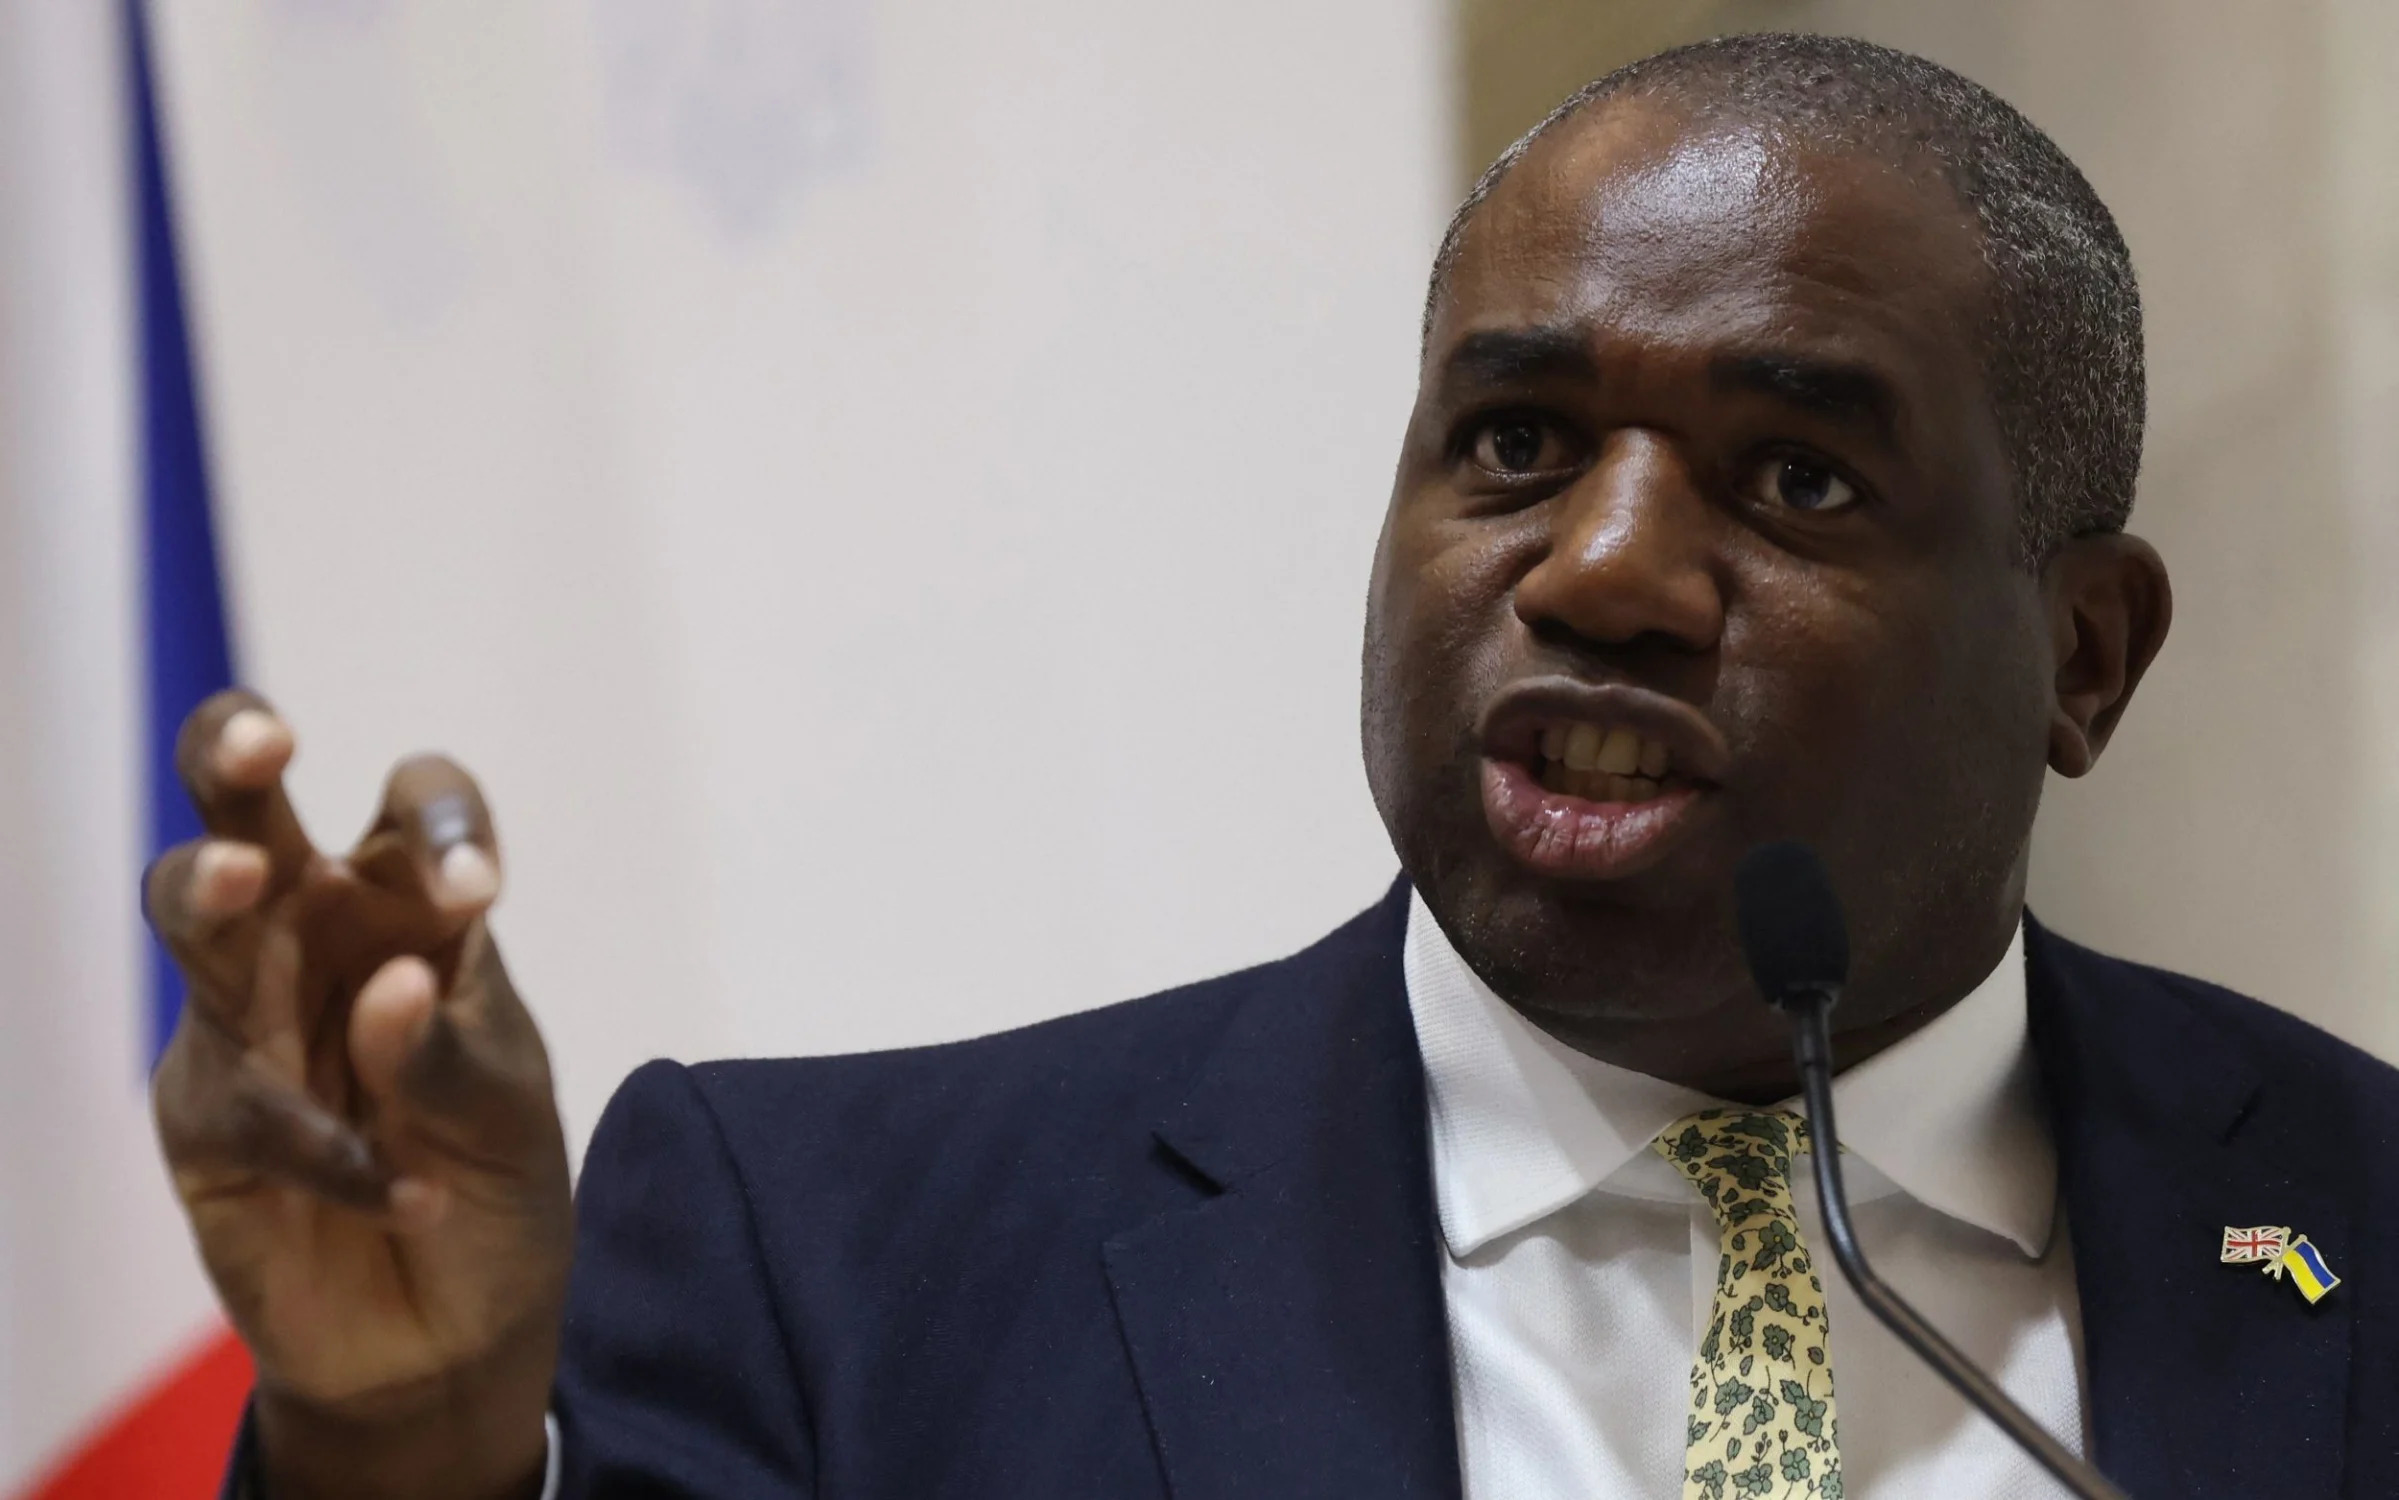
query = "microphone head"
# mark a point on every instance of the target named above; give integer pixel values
(1792, 930)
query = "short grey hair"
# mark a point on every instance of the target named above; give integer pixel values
(2062, 345)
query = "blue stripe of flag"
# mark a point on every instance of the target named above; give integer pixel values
(2307, 1251)
(187, 649)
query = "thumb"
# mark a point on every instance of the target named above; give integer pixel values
(388, 1021)
(458, 1079)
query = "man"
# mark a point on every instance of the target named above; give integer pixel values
(1778, 422)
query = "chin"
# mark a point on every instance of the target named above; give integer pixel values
(1585, 953)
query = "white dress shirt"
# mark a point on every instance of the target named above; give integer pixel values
(1580, 1266)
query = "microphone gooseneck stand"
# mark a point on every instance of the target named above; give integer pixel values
(1812, 1049)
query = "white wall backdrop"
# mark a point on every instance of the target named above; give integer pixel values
(95, 1289)
(882, 492)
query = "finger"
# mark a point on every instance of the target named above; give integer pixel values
(193, 889)
(388, 1021)
(417, 1204)
(463, 1073)
(278, 1131)
(273, 1022)
(197, 897)
(434, 834)
(227, 879)
(231, 754)
(226, 1123)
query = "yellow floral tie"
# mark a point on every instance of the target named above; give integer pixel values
(1761, 1416)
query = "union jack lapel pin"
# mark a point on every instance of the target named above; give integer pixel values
(2244, 1247)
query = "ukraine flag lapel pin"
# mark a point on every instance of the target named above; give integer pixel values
(2281, 1252)
(2308, 1271)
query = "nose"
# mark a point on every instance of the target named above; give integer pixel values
(1630, 557)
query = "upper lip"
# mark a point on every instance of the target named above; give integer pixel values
(1512, 722)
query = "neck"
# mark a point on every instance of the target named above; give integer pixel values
(1739, 1049)
(1771, 1081)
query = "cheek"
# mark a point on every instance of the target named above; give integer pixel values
(1468, 636)
(1439, 632)
(1879, 714)
(1836, 689)
(1441, 602)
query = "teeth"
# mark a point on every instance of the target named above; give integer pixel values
(1621, 754)
(1588, 751)
(1582, 747)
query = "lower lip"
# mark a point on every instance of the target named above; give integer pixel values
(1571, 839)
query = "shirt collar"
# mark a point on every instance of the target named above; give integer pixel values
(1523, 1125)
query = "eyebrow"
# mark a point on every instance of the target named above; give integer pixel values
(1503, 356)
(1853, 395)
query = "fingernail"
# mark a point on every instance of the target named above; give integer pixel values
(448, 820)
(418, 1205)
(468, 877)
(226, 876)
(248, 736)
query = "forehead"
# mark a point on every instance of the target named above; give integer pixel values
(1640, 222)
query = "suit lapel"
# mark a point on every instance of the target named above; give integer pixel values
(2206, 1380)
(1286, 1326)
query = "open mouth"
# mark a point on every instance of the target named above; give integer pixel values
(1596, 782)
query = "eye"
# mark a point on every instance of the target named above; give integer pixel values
(1514, 446)
(1793, 482)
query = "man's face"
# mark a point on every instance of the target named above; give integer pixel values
(1703, 485)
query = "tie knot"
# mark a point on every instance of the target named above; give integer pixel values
(1740, 1160)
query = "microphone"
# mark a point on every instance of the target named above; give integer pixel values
(1797, 944)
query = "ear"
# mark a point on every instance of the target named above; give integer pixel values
(2109, 606)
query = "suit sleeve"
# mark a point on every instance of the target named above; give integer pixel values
(676, 1378)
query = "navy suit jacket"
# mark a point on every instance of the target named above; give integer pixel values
(1186, 1247)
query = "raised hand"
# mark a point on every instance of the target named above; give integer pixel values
(358, 1114)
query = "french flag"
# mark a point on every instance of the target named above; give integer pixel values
(117, 1379)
